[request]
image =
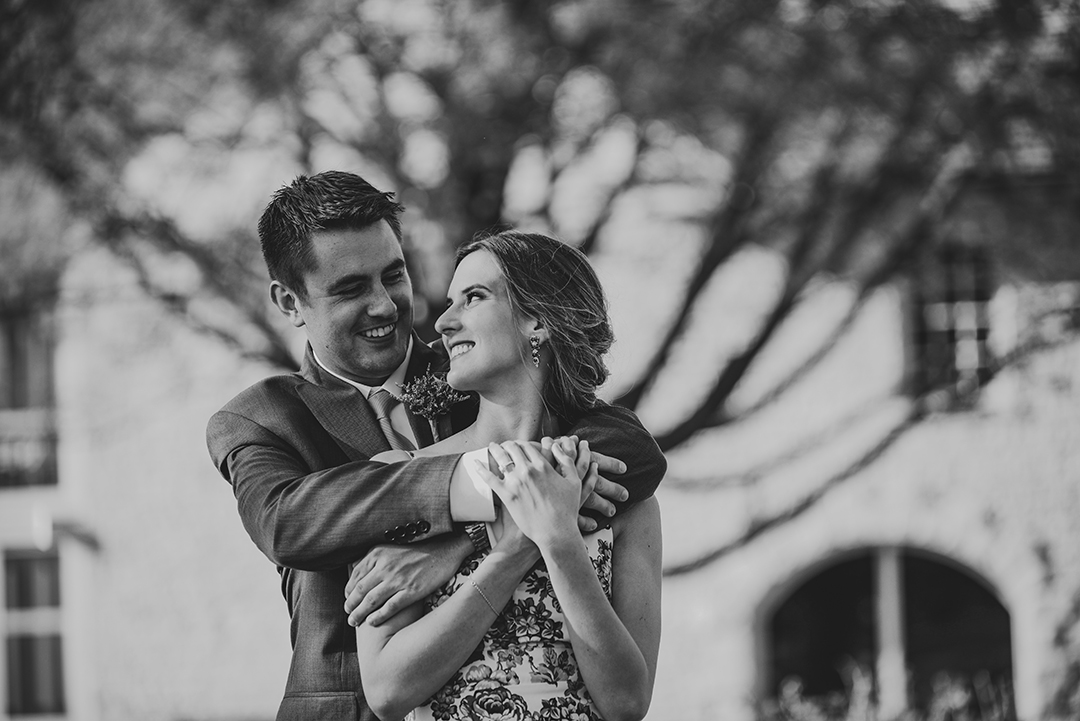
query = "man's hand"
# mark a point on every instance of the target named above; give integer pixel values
(606, 492)
(391, 578)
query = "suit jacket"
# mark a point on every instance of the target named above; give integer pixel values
(296, 450)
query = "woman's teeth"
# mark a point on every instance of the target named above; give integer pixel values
(460, 348)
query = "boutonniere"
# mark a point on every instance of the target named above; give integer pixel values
(430, 396)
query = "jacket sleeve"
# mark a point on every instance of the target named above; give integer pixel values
(318, 520)
(617, 432)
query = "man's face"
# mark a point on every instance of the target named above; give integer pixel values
(358, 313)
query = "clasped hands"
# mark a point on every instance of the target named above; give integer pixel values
(392, 577)
(542, 487)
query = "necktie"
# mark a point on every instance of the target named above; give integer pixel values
(381, 402)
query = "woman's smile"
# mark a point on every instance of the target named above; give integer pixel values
(461, 348)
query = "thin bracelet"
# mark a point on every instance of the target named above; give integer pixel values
(482, 595)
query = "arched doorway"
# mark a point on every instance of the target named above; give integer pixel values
(926, 630)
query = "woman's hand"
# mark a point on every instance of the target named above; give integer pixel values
(584, 463)
(543, 500)
(509, 537)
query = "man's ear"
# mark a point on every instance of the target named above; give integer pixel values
(288, 302)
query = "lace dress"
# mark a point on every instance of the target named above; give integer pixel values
(524, 669)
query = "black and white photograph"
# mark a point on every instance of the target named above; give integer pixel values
(550, 360)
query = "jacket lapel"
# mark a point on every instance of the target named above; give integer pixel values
(341, 411)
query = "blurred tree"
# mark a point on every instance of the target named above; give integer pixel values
(843, 135)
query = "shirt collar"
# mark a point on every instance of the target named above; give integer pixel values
(392, 384)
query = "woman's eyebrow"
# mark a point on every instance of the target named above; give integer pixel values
(467, 290)
(475, 286)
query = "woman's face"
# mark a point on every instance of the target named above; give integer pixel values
(484, 339)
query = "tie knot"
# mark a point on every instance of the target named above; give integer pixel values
(381, 402)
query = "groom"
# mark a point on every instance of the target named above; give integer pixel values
(296, 447)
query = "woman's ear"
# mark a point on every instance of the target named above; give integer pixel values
(536, 328)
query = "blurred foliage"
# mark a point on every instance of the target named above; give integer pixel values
(952, 698)
(844, 133)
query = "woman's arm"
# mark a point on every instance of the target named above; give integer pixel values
(404, 661)
(615, 643)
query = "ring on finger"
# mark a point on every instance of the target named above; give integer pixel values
(507, 468)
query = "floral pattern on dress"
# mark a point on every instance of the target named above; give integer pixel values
(525, 670)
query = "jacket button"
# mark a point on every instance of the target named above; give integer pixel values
(424, 526)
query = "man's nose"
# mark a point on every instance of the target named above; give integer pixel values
(381, 303)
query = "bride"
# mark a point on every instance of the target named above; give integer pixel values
(547, 624)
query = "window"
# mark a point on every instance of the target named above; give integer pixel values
(35, 681)
(951, 320)
(923, 631)
(27, 438)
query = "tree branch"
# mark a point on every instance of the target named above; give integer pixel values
(726, 236)
(918, 411)
(761, 526)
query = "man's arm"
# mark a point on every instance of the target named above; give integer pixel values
(617, 432)
(329, 518)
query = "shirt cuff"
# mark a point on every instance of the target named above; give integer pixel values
(470, 498)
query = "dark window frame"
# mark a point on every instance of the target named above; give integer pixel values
(28, 441)
(34, 656)
(950, 321)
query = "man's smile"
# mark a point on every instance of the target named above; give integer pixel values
(380, 332)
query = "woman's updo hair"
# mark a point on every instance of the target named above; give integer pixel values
(554, 283)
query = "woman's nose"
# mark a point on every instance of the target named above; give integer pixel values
(446, 322)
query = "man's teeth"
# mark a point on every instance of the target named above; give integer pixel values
(461, 348)
(378, 332)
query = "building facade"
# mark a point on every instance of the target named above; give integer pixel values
(131, 589)
(899, 530)
(919, 547)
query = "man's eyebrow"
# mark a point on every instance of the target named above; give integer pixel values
(347, 281)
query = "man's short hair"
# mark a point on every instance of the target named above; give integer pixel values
(327, 201)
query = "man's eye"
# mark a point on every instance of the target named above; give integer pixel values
(396, 277)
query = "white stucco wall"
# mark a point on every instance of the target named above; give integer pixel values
(986, 488)
(183, 617)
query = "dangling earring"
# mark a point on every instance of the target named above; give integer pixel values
(534, 345)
